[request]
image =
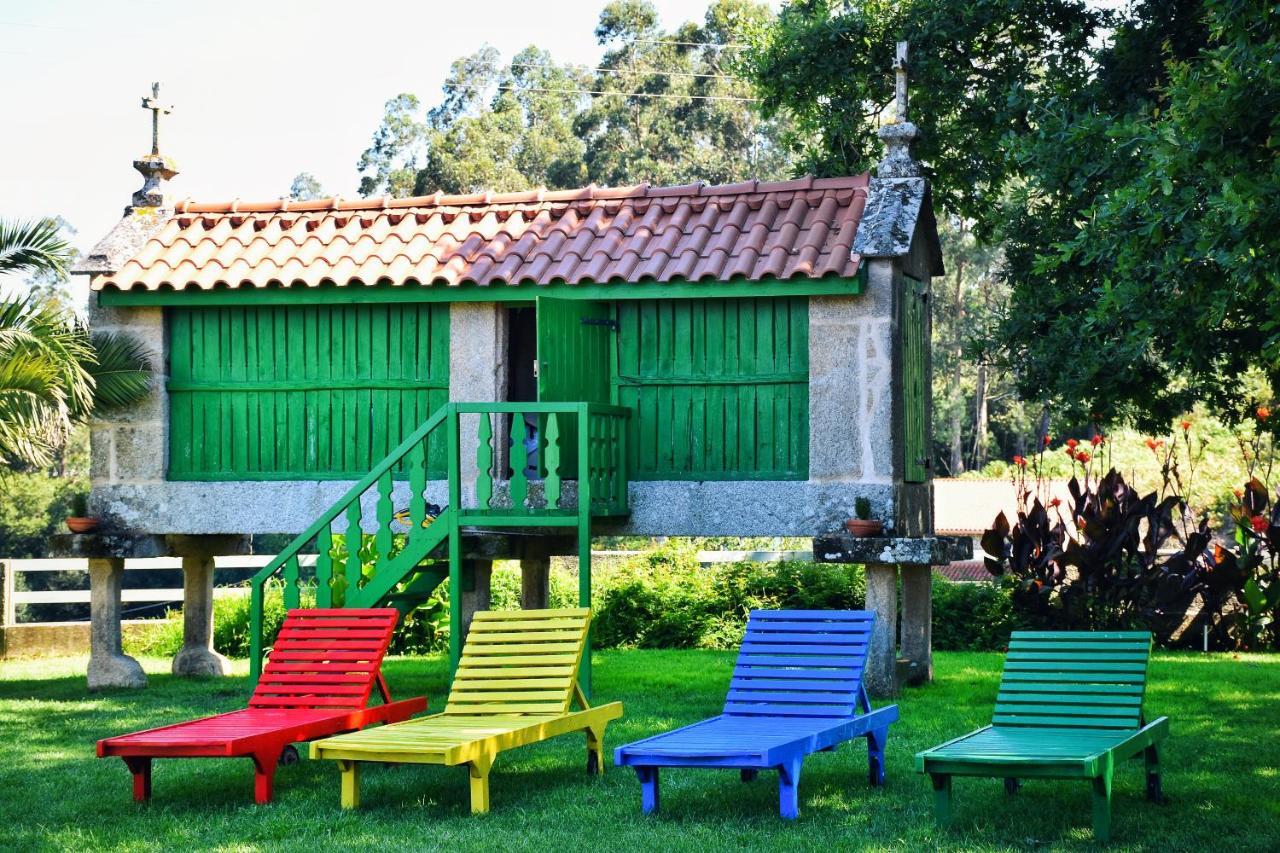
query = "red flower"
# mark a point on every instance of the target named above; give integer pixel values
(1071, 442)
(1186, 425)
(1083, 457)
(1239, 494)
(1055, 503)
(1264, 412)
(1155, 444)
(1097, 439)
(1047, 439)
(1020, 461)
(1259, 524)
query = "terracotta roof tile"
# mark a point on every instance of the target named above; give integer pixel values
(796, 229)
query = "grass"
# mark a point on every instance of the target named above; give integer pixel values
(1222, 773)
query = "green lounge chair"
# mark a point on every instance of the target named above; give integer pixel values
(1069, 707)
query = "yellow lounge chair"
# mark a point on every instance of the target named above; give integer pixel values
(515, 683)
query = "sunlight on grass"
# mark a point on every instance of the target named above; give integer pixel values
(1222, 763)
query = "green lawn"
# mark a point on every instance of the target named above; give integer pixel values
(1222, 773)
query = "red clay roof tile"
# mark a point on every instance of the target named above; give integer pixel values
(802, 228)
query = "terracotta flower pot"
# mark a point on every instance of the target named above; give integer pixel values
(864, 527)
(82, 524)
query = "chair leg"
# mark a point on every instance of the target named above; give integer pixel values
(749, 774)
(479, 771)
(1102, 807)
(140, 767)
(942, 798)
(875, 755)
(595, 750)
(648, 777)
(264, 774)
(789, 789)
(1011, 785)
(1151, 756)
(349, 771)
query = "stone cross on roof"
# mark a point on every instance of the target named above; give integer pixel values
(899, 133)
(153, 104)
(900, 83)
(155, 167)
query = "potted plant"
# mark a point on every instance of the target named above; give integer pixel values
(80, 521)
(863, 524)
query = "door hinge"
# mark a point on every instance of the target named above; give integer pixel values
(595, 321)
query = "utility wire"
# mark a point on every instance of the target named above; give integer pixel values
(628, 71)
(731, 45)
(626, 94)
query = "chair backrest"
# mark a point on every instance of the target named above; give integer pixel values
(801, 663)
(326, 658)
(1074, 679)
(519, 662)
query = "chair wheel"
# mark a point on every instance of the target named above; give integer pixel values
(593, 763)
(289, 756)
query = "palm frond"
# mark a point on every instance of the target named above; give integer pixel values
(121, 372)
(33, 247)
(43, 353)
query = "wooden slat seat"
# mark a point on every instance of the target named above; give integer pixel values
(515, 685)
(318, 681)
(1069, 706)
(796, 689)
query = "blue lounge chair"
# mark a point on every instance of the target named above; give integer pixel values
(796, 689)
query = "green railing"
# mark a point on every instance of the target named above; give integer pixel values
(358, 567)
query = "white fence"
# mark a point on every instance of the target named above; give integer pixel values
(10, 569)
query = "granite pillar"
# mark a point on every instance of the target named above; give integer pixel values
(917, 623)
(535, 583)
(109, 666)
(197, 657)
(477, 597)
(882, 598)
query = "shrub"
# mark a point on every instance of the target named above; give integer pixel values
(972, 617)
(661, 599)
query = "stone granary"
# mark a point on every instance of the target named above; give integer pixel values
(432, 383)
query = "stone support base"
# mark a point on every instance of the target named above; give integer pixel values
(109, 666)
(535, 583)
(197, 657)
(477, 597)
(917, 623)
(882, 598)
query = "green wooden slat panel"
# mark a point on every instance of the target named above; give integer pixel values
(573, 364)
(915, 401)
(719, 388)
(302, 391)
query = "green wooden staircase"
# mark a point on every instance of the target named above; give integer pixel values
(369, 553)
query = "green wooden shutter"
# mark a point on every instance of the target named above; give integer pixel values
(310, 392)
(719, 387)
(915, 369)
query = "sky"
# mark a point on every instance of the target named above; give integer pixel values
(261, 90)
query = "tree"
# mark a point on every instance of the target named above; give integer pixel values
(977, 68)
(1124, 162)
(664, 113)
(1143, 240)
(306, 187)
(52, 372)
(674, 109)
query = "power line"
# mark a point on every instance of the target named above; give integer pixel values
(732, 45)
(626, 94)
(631, 71)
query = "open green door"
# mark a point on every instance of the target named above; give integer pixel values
(574, 336)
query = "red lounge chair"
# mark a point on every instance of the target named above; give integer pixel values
(316, 683)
